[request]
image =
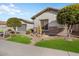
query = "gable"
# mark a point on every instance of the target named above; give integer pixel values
(47, 15)
(44, 11)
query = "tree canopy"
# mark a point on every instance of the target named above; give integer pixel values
(67, 15)
(14, 22)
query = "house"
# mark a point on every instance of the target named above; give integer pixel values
(46, 19)
(26, 25)
(3, 25)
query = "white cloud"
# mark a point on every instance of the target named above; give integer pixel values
(10, 9)
(12, 5)
(0, 12)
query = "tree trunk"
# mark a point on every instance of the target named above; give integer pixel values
(67, 27)
(15, 29)
(69, 31)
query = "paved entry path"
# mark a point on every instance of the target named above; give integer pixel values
(8, 48)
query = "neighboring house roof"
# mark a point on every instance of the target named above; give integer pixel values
(45, 10)
(26, 21)
(2, 22)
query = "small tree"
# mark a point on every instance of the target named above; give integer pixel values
(68, 17)
(13, 22)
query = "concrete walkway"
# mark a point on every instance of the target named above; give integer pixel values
(8, 48)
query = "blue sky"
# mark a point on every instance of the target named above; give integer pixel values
(25, 10)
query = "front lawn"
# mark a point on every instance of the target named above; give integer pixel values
(20, 39)
(60, 44)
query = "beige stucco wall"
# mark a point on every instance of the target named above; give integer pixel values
(51, 16)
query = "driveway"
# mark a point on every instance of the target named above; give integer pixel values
(8, 48)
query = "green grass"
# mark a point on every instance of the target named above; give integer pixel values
(60, 44)
(1, 30)
(20, 39)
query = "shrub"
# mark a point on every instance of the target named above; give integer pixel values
(29, 31)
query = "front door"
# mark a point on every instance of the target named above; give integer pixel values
(44, 24)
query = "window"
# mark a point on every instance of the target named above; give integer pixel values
(44, 24)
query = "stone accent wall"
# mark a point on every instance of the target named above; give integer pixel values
(76, 28)
(54, 30)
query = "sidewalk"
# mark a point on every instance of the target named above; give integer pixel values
(8, 48)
